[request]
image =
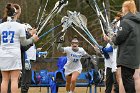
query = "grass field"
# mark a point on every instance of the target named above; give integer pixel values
(62, 90)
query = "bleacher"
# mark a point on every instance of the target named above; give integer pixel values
(82, 81)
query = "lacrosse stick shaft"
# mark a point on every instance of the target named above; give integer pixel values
(55, 9)
(101, 18)
(102, 28)
(62, 3)
(38, 14)
(78, 21)
(99, 11)
(86, 31)
(50, 30)
(43, 13)
(47, 19)
(107, 19)
(56, 36)
(83, 37)
(90, 36)
(45, 22)
(52, 44)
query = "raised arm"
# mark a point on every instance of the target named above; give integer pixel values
(60, 48)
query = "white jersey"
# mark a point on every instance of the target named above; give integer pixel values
(111, 62)
(10, 56)
(114, 64)
(117, 25)
(73, 60)
(31, 53)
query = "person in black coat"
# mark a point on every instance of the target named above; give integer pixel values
(127, 40)
(137, 71)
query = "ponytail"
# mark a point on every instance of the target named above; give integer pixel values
(11, 10)
(130, 4)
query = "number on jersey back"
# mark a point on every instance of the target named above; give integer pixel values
(8, 36)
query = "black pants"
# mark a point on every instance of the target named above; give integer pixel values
(110, 81)
(128, 80)
(25, 79)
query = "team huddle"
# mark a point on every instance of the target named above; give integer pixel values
(121, 54)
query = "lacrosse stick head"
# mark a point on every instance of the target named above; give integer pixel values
(62, 4)
(73, 17)
(56, 5)
(77, 18)
(66, 23)
(83, 19)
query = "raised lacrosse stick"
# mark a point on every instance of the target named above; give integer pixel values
(101, 18)
(58, 6)
(38, 14)
(80, 21)
(43, 14)
(83, 37)
(66, 23)
(109, 28)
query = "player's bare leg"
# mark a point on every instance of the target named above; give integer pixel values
(68, 83)
(14, 81)
(73, 80)
(5, 81)
(137, 80)
(121, 87)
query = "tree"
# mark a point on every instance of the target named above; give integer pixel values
(138, 4)
(29, 15)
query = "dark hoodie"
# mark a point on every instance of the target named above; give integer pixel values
(128, 41)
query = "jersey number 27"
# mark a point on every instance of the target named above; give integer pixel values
(8, 36)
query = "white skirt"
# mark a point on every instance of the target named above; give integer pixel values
(68, 71)
(10, 60)
(12, 63)
(71, 67)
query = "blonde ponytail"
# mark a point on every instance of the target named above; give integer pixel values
(130, 4)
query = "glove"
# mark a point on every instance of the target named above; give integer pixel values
(106, 55)
(97, 49)
(101, 47)
(61, 39)
(27, 64)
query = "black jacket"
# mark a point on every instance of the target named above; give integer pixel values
(127, 39)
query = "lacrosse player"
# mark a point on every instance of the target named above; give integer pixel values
(12, 35)
(73, 67)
